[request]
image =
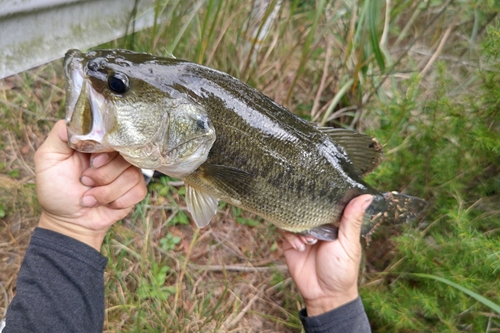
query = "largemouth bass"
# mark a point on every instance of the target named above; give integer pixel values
(226, 140)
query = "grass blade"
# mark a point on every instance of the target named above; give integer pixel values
(306, 49)
(477, 297)
(204, 39)
(196, 8)
(336, 100)
(373, 15)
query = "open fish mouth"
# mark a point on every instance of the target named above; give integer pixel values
(84, 116)
(73, 70)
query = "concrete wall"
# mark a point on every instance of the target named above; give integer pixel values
(34, 32)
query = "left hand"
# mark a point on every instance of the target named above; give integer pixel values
(82, 195)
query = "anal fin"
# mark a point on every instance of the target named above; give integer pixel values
(326, 232)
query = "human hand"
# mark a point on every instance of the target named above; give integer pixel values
(81, 194)
(326, 273)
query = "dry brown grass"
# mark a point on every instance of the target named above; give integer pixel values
(227, 277)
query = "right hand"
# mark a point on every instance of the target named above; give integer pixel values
(326, 273)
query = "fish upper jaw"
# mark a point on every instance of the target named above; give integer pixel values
(87, 137)
(84, 116)
(73, 70)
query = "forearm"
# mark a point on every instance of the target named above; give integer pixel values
(60, 287)
(348, 318)
(93, 238)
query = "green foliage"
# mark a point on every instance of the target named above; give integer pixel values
(251, 222)
(446, 149)
(180, 217)
(169, 242)
(2, 211)
(14, 173)
(153, 285)
(492, 43)
(479, 298)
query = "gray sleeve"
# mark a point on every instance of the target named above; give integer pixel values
(60, 287)
(349, 318)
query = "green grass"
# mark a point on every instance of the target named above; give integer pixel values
(422, 77)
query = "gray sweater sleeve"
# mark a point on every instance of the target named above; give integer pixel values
(349, 318)
(60, 287)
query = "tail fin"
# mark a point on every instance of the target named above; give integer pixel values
(391, 208)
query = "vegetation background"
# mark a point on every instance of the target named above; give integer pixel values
(420, 76)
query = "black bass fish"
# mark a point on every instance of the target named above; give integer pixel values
(226, 140)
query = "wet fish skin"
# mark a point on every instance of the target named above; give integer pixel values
(225, 139)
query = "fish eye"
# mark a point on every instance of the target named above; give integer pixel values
(118, 83)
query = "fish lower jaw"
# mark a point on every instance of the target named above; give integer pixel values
(87, 146)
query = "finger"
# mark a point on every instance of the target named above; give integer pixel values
(350, 224)
(100, 159)
(291, 240)
(105, 194)
(132, 197)
(308, 239)
(56, 143)
(107, 173)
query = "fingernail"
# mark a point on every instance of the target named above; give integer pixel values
(298, 245)
(87, 181)
(311, 240)
(88, 201)
(367, 202)
(99, 160)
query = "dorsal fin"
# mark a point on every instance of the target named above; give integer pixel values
(364, 152)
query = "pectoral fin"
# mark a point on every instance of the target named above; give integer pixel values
(231, 181)
(363, 151)
(201, 205)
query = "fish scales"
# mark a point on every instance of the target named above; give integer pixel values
(294, 185)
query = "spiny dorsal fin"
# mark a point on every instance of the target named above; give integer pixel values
(364, 152)
(201, 205)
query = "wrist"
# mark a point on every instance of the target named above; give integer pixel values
(93, 238)
(324, 304)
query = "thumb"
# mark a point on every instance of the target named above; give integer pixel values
(350, 225)
(56, 142)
